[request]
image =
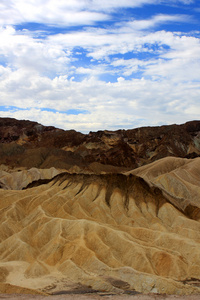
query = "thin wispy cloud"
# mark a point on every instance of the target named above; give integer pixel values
(92, 65)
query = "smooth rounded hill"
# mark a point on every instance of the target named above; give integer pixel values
(107, 232)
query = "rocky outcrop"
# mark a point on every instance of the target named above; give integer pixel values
(124, 149)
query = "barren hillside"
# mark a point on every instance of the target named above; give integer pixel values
(98, 225)
(112, 151)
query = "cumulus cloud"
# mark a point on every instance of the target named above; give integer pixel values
(130, 73)
(23, 51)
(50, 12)
(109, 105)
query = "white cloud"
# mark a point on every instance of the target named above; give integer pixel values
(155, 21)
(162, 96)
(49, 12)
(38, 73)
(180, 63)
(34, 55)
(67, 13)
(125, 37)
(110, 105)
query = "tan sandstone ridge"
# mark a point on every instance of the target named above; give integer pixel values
(136, 231)
(17, 180)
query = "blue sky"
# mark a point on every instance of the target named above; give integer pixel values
(97, 64)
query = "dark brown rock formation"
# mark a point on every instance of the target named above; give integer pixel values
(29, 144)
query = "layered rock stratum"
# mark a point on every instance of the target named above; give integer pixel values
(114, 212)
(110, 151)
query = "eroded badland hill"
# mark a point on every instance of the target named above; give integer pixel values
(108, 211)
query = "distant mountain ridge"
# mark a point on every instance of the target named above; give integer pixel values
(102, 150)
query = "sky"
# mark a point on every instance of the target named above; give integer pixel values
(93, 65)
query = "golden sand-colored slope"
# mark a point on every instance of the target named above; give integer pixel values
(109, 232)
(179, 180)
(17, 180)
